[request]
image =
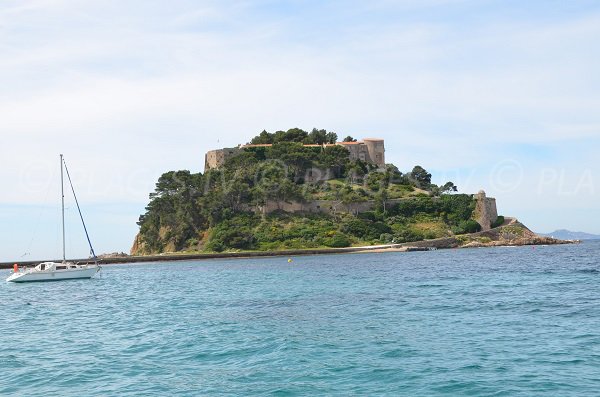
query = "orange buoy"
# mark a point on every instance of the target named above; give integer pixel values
(15, 268)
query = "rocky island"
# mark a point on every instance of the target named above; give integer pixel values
(297, 190)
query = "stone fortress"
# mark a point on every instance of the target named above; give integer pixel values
(370, 150)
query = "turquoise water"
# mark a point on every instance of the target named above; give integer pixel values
(481, 322)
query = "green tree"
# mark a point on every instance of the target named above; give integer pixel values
(263, 138)
(448, 187)
(377, 181)
(356, 170)
(291, 135)
(334, 156)
(393, 175)
(297, 157)
(173, 215)
(421, 177)
(331, 137)
(381, 199)
(317, 137)
(236, 195)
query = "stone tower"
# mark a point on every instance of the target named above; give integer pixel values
(376, 149)
(486, 212)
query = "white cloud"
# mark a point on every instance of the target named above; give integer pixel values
(128, 91)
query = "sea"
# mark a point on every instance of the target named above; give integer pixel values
(521, 321)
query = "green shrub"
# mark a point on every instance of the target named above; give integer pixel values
(407, 235)
(378, 228)
(269, 246)
(464, 227)
(499, 221)
(356, 227)
(386, 238)
(472, 226)
(369, 215)
(412, 207)
(338, 240)
(429, 235)
(215, 245)
(236, 233)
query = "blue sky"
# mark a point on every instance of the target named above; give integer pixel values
(499, 95)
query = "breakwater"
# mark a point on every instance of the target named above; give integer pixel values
(222, 255)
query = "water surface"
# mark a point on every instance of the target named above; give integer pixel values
(481, 322)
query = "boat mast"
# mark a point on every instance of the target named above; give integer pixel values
(79, 209)
(62, 194)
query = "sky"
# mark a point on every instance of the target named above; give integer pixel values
(495, 95)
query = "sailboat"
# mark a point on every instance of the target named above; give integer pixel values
(55, 271)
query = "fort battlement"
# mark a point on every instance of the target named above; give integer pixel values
(485, 211)
(370, 150)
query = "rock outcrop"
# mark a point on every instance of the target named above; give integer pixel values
(512, 233)
(138, 247)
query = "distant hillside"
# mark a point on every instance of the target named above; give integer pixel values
(564, 234)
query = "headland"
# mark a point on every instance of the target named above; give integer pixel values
(294, 191)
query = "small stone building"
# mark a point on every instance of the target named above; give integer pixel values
(371, 150)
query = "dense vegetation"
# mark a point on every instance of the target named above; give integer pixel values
(216, 211)
(316, 137)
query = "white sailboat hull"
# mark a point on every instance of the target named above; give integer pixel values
(53, 275)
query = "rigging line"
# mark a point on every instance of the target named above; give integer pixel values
(79, 209)
(41, 212)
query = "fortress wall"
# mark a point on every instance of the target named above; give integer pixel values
(358, 151)
(330, 207)
(485, 209)
(370, 150)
